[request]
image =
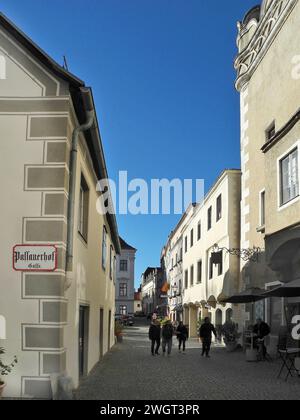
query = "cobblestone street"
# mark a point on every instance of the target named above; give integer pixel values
(130, 372)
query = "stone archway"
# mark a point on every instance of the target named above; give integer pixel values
(285, 260)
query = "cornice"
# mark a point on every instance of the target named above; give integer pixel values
(270, 25)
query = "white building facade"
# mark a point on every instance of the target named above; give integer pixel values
(125, 280)
(214, 222)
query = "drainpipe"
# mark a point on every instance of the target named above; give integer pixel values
(90, 119)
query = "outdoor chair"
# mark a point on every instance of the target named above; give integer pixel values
(287, 354)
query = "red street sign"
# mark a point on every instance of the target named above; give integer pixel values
(35, 258)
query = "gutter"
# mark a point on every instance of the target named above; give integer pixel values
(90, 119)
(85, 109)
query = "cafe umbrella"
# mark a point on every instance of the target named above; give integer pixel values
(288, 290)
(251, 295)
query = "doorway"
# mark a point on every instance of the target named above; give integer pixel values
(83, 339)
(101, 333)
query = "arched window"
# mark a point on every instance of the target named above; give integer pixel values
(229, 315)
(219, 318)
(2, 328)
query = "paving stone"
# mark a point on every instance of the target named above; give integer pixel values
(129, 372)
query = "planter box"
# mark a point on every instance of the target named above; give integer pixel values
(119, 338)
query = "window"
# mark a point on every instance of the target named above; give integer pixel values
(211, 268)
(199, 272)
(111, 263)
(289, 177)
(192, 238)
(123, 265)
(199, 231)
(271, 131)
(209, 218)
(123, 290)
(172, 263)
(220, 266)
(186, 279)
(180, 255)
(219, 208)
(176, 259)
(192, 276)
(185, 244)
(262, 208)
(104, 247)
(83, 209)
(115, 269)
(123, 310)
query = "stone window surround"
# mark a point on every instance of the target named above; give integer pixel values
(281, 207)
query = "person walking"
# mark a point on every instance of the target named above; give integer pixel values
(205, 334)
(182, 336)
(167, 337)
(155, 337)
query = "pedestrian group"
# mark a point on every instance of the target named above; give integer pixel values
(163, 336)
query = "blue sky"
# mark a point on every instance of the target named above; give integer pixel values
(163, 80)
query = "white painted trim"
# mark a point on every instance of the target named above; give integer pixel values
(51, 300)
(43, 326)
(47, 115)
(260, 207)
(33, 61)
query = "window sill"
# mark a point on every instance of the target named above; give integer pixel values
(289, 203)
(82, 238)
(261, 229)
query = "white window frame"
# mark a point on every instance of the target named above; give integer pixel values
(281, 207)
(261, 224)
(104, 248)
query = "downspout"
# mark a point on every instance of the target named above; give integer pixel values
(90, 119)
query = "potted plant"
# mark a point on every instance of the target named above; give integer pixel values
(5, 370)
(119, 331)
(231, 335)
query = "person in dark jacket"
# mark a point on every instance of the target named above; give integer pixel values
(182, 336)
(155, 337)
(167, 337)
(261, 330)
(205, 335)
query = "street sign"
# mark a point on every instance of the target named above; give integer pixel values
(35, 258)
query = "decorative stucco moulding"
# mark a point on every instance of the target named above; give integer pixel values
(256, 34)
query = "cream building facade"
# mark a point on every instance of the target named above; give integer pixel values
(125, 280)
(216, 221)
(268, 80)
(58, 324)
(172, 256)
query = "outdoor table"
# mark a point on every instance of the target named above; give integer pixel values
(288, 357)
